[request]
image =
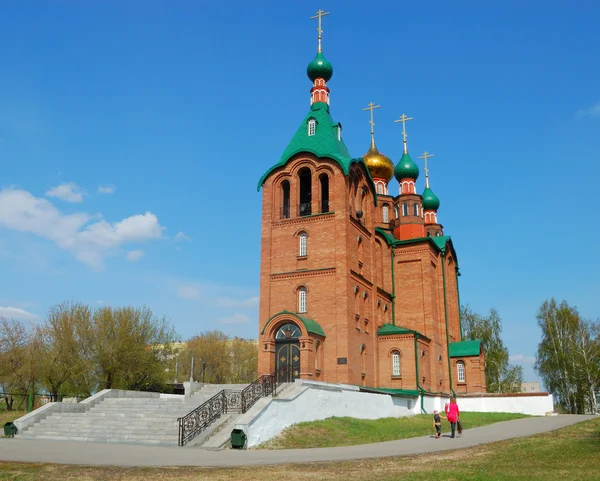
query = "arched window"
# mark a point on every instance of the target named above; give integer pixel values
(460, 368)
(386, 213)
(363, 359)
(312, 127)
(379, 188)
(305, 192)
(288, 331)
(396, 371)
(396, 213)
(285, 206)
(416, 209)
(405, 209)
(324, 178)
(302, 237)
(302, 300)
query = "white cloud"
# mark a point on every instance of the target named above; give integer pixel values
(521, 359)
(135, 255)
(188, 292)
(106, 189)
(593, 112)
(16, 313)
(182, 237)
(67, 192)
(234, 319)
(89, 238)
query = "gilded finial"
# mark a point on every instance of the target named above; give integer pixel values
(425, 156)
(320, 14)
(372, 107)
(403, 118)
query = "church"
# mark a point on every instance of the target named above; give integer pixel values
(358, 280)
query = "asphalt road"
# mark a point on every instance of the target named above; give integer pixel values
(129, 455)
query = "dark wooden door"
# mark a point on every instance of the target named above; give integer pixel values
(287, 357)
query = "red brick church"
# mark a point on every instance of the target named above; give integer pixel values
(357, 285)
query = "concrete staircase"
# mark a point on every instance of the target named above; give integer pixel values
(125, 419)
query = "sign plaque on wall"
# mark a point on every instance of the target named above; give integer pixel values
(342, 360)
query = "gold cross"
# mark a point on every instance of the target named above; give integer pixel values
(320, 14)
(403, 118)
(372, 107)
(425, 156)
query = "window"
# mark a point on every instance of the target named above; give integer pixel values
(305, 207)
(317, 355)
(460, 367)
(302, 300)
(396, 212)
(405, 209)
(303, 237)
(386, 213)
(285, 208)
(380, 188)
(416, 209)
(288, 331)
(339, 129)
(363, 360)
(312, 127)
(324, 179)
(396, 363)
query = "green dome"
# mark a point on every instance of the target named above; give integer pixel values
(319, 68)
(406, 168)
(430, 200)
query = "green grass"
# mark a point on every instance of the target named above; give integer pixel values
(568, 454)
(350, 431)
(6, 416)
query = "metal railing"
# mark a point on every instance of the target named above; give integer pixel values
(227, 400)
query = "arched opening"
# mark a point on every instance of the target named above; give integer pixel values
(416, 209)
(287, 352)
(363, 360)
(302, 300)
(405, 209)
(302, 252)
(324, 179)
(312, 127)
(396, 368)
(386, 213)
(285, 204)
(460, 371)
(317, 355)
(305, 192)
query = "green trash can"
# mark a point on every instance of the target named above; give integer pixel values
(238, 439)
(10, 429)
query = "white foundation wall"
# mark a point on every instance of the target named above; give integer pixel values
(532, 405)
(317, 402)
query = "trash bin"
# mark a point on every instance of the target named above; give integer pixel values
(10, 429)
(238, 439)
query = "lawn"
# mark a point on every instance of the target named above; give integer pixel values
(6, 416)
(572, 453)
(350, 431)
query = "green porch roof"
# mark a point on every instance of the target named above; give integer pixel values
(325, 143)
(393, 392)
(465, 348)
(311, 326)
(389, 329)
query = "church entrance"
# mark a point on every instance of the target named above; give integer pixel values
(287, 353)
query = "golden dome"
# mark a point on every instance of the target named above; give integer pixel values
(379, 165)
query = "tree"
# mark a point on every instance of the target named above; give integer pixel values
(568, 356)
(17, 369)
(64, 350)
(132, 348)
(500, 376)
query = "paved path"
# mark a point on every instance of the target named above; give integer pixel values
(92, 454)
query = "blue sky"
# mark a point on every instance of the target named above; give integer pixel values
(132, 135)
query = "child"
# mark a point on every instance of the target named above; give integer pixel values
(437, 423)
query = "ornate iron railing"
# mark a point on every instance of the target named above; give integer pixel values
(227, 400)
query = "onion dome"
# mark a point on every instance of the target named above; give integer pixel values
(430, 200)
(319, 68)
(406, 168)
(380, 166)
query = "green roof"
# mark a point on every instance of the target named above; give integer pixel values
(389, 329)
(324, 144)
(397, 392)
(465, 348)
(440, 241)
(406, 168)
(320, 67)
(311, 326)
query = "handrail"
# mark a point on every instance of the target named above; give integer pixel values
(227, 400)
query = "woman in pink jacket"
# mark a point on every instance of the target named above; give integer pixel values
(452, 413)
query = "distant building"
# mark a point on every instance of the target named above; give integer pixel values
(530, 387)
